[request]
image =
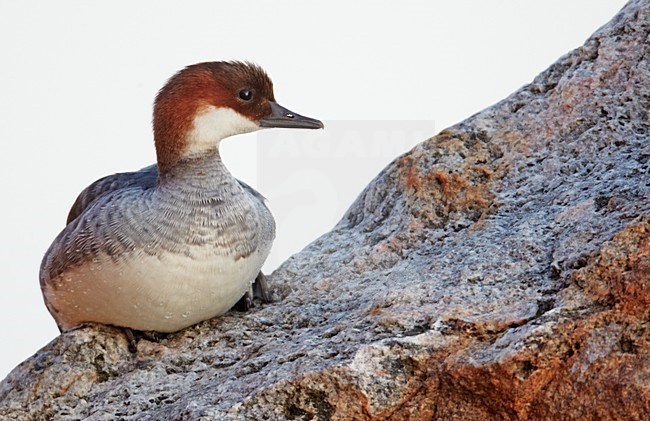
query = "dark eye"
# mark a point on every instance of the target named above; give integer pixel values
(246, 94)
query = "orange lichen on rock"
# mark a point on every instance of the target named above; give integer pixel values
(436, 193)
(621, 274)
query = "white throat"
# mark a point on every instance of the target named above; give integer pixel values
(213, 124)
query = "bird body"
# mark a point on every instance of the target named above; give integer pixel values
(178, 242)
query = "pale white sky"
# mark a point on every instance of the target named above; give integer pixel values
(78, 79)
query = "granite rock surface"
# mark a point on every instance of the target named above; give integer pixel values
(499, 270)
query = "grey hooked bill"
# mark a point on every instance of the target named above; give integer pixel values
(281, 117)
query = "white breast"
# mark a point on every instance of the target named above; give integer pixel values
(163, 293)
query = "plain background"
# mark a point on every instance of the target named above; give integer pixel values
(77, 81)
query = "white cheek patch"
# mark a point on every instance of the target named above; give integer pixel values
(212, 124)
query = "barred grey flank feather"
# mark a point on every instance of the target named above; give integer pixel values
(132, 213)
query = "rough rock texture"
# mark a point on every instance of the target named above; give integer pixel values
(498, 270)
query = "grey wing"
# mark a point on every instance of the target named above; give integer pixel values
(145, 178)
(52, 265)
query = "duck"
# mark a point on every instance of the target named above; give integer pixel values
(180, 241)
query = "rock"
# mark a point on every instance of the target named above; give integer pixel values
(500, 269)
